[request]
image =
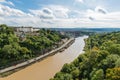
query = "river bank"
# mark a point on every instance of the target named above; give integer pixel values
(46, 69)
(67, 44)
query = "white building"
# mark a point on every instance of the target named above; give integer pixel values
(25, 29)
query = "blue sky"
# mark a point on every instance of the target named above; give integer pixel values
(60, 13)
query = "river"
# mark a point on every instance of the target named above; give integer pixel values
(46, 69)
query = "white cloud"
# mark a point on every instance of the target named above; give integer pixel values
(81, 1)
(59, 11)
(97, 13)
(7, 2)
(10, 3)
(102, 14)
(12, 16)
(44, 13)
(2, 0)
(100, 9)
(7, 11)
(112, 16)
(76, 14)
(59, 16)
(47, 11)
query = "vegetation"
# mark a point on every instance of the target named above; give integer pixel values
(14, 49)
(101, 60)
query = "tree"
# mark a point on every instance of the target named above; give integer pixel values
(114, 49)
(63, 76)
(113, 74)
(13, 50)
(9, 51)
(25, 53)
(76, 62)
(117, 63)
(109, 62)
(75, 73)
(68, 68)
(98, 75)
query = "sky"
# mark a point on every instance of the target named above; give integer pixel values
(61, 13)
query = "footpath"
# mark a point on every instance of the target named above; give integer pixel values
(68, 43)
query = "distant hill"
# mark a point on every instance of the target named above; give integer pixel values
(87, 29)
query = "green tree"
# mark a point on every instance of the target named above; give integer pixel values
(109, 62)
(98, 75)
(113, 74)
(75, 73)
(114, 49)
(67, 68)
(63, 76)
(117, 63)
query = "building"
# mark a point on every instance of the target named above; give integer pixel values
(23, 29)
(26, 29)
(21, 32)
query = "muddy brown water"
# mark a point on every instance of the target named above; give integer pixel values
(46, 69)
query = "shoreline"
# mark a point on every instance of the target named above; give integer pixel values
(41, 57)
